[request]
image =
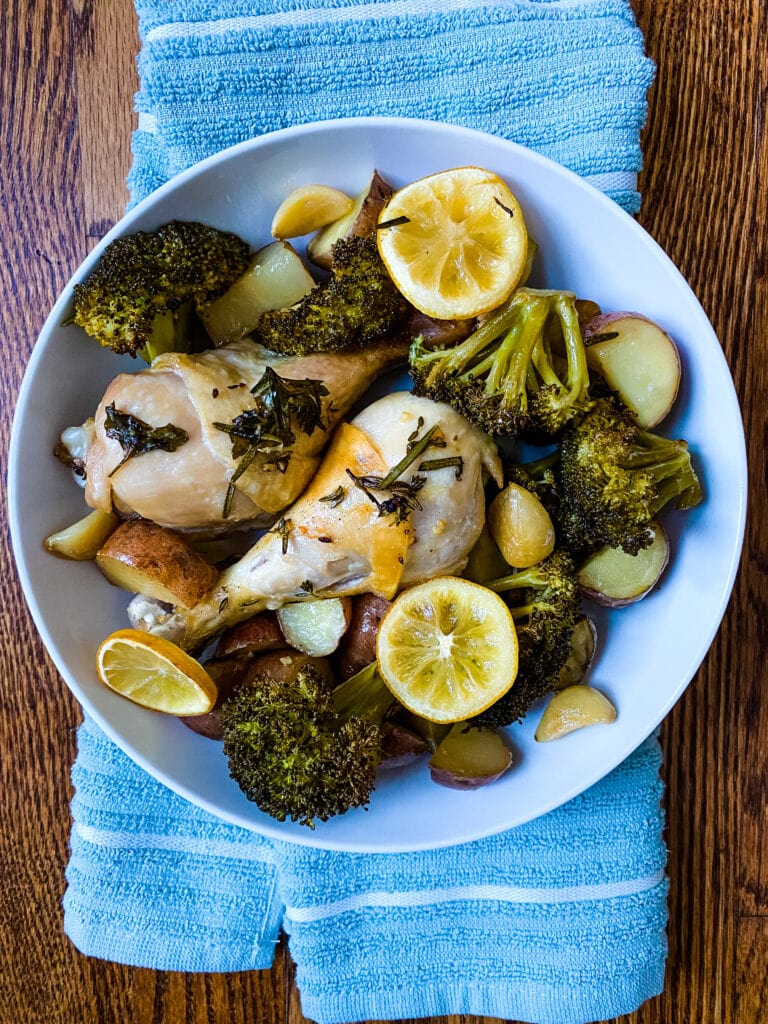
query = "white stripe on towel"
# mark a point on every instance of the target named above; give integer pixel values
(313, 16)
(180, 844)
(496, 893)
(147, 123)
(613, 181)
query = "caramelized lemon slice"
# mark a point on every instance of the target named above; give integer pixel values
(155, 673)
(447, 649)
(455, 243)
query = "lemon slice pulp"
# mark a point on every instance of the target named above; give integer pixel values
(454, 243)
(447, 649)
(155, 673)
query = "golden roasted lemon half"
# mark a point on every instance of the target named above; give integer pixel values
(155, 673)
(447, 649)
(455, 243)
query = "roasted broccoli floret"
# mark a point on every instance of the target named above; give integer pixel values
(303, 751)
(614, 478)
(545, 604)
(522, 372)
(140, 297)
(357, 305)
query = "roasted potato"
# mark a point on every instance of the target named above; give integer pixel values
(358, 645)
(261, 633)
(613, 578)
(228, 674)
(82, 540)
(470, 757)
(401, 745)
(637, 359)
(148, 559)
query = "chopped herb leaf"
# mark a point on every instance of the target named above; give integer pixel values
(394, 223)
(281, 407)
(307, 586)
(432, 464)
(594, 339)
(136, 437)
(335, 497)
(283, 527)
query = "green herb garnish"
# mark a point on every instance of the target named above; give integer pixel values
(136, 437)
(281, 407)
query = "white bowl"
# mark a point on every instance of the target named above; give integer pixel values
(648, 652)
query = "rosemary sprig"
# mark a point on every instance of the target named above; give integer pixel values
(335, 497)
(432, 464)
(281, 405)
(136, 437)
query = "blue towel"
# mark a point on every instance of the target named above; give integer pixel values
(560, 921)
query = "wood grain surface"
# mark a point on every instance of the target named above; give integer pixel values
(67, 80)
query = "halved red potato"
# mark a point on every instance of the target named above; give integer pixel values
(400, 745)
(357, 647)
(637, 359)
(613, 578)
(260, 633)
(148, 559)
(470, 757)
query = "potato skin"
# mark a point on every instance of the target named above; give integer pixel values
(401, 746)
(152, 560)
(284, 665)
(469, 758)
(261, 633)
(358, 645)
(228, 674)
(236, 670)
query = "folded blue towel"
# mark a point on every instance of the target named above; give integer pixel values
(562, 920)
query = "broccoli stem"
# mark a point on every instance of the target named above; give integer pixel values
(521, 578)
(363, 695)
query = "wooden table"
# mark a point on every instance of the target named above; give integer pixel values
(68, 76)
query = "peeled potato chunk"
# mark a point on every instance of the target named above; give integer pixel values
(638, 360)
(613, 578)
(82, 540)
(574, 708)
(148, 559)
(470, 757)
(276, 278)
(308, 208)
(315, 627)
(521, 527)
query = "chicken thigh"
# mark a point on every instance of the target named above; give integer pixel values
(346, 535)
(186, 489)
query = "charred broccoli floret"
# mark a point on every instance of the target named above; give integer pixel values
(303, 751)
(522, 372)
(545, 604)
(144, 289)
(614, 478)
(357, 305)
